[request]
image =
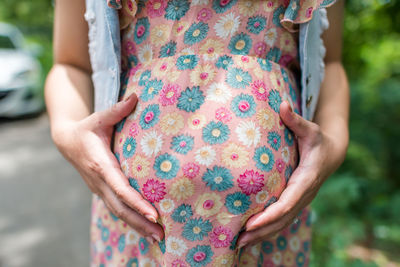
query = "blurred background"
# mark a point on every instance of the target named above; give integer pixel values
(45, 206)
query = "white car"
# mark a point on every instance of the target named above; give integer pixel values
(20, 76)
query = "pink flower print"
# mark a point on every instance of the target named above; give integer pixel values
(156, 8)
(178, 263)
(169, 94)
(245, 59)
(134, 129)
(280, 165)
(224, 2)
(204, 15)
(251, 182)
(114, 239)
(154, 190)
(260, 48)
(129, 47)
(285, 60)
(223, 114)
(259, 90)
(191, 170)
(221, 237)
(309, 12)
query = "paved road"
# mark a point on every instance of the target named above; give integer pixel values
(44, 205)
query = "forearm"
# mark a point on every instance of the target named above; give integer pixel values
(332, 113)
(68, 95)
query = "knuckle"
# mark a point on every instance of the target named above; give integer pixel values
(119, 192)
(95, 167)
(121, 213)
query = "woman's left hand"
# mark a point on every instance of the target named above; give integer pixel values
(319, 157)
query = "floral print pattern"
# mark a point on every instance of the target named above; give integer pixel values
(205, 144)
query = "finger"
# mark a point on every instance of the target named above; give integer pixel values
(117, 112)
(131, 217)
(288, 200)
(115, 178)
(300, 126)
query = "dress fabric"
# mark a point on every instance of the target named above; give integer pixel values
(205, 144)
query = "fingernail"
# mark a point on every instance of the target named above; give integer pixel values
(127, 99)
(150, 218)
(290, 108)
(150, 239)
(156, 237)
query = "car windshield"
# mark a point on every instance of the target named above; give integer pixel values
(6, 43)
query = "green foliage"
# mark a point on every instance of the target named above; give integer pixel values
(360, 204)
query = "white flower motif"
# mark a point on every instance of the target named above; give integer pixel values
(151, 143)
(145, 54)
(294, 243)
(262, 197)
(277, 258)
(286, 154)
(218, 92)
(167, 205)
(248, 133)
(187, 51)
(147, 262)
(199, 2)
(132, 237)
(175, 246)
(205, 155)
(227, 25)
(125, 167)
(138, 109)
(270, 36)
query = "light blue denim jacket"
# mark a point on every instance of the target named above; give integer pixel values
(105, 55)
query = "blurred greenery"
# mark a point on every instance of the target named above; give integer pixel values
(357, 218)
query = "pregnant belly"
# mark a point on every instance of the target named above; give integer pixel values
(205, 143)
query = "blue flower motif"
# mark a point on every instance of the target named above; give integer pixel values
(284, 75)
(277, 14)
(218, 179)
(105, 233)
(121, 243)
(166, 166)
(256, 24)
(196, 229)
(224, 62)
(281, 242)
(108, 252)
(186, 62)
(143, 246)
(120, 125)
(274, 140)
(199, 256)
(222, 6)
(161, 244)
(267, 247)
(240, 44)
(292, 9)
(238, 78)
(264, 158)
(132, 62)
(149, 116)
(243, 105)
(151, 89)
(196, 33)
(274, 54)
(114, 217)
(182, 144)
(288, 136)
(141, 30)
(134, 184)
(144, 77)
(182, 213)
(234, 241)
(271, 201)
(288, 173)
(129, 147)
(216, 132)
(237, 203)
(264, 64)
(274, 100)
(168, 50)
(176, 9)
(191, 99)
(300, 259)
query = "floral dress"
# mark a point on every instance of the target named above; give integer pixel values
(205, 144)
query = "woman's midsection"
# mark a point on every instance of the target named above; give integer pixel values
(207, 132)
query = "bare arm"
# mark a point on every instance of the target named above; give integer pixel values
(322, 143)
(84, 137)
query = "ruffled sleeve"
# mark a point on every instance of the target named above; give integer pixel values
(301, 11)
(127, 10)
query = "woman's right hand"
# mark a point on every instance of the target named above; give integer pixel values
(87, 145)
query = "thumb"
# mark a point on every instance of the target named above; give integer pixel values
(300, 126)
(116, 113)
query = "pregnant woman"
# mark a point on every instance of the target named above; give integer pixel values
(209, 162)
